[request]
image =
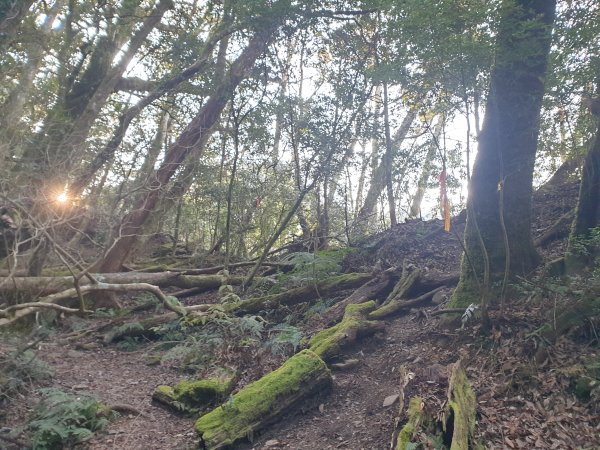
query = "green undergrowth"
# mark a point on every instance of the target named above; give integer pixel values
(18, 370)
(62, 420)
(310, 268)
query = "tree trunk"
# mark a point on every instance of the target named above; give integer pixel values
(132, 224)
(378, 180)
(415, 207)
(501, 186)
(587, 213)
(389, 158)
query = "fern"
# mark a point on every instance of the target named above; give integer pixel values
(61, 420)
(19, 369)
(285, 339)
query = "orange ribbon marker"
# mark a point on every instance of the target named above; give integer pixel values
(444, 201)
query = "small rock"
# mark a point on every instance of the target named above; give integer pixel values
(321, 408)
(390, 400)
(272, 443)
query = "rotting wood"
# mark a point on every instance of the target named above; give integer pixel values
(39, 286)
(463, 405)
(329, 343)
(407, 281)
(7, 316)
(371, 290)
(264, 402)
(455, 423)
(405, 377)
(146, 327)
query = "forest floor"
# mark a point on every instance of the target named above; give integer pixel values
(524, 396)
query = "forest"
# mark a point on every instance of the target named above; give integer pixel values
(299, 224)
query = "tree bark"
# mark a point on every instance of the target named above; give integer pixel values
(125, 235)
(503, 167)
(378, 178)
(415, 207)
(587, 213)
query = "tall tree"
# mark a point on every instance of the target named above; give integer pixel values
(498, 234)
(192, 139)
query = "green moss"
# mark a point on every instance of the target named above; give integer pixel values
(303, 374)
(466, 292)
(201, 392)
(463, 404)
(166, 391)
(190, 397)
(326, 287)
(415, 417)
(328, 343)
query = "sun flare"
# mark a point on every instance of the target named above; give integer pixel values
(62, 198)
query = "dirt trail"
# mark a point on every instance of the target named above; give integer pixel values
(521, 403)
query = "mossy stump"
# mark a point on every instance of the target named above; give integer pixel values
(456, 430)
(329, 343)
(190, 397)
(264, 401)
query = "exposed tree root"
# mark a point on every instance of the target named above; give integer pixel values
(396, 305)
(557, 230)
(329, 343)
(326, 287)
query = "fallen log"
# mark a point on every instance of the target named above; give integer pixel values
(13, 313)
(326, 287)
(408, 280)
(371, 290)
(263, 402)
(40, 286)
(329, 343)
(191, 397)
(147, 327)
(397, 305)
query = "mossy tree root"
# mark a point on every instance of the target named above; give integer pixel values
(397, 305)
(329, 343)
(326, 287)
(264, 401)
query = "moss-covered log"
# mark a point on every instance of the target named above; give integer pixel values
(264, 401)
(326, 287)
(329, 343)
(371, 290)
(147, 327)
(397, 305)
(191, 397)
(415, 417)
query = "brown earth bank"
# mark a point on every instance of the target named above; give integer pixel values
(524, 391)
